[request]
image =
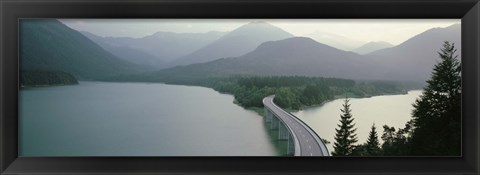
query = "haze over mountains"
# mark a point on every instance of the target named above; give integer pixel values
(236, 43)
(335, 40)
(49, 45)
(156, 49)
(127, 53)
(293, 56)
(409, 61)
(415, 57)
(257, 48)
(372, 46)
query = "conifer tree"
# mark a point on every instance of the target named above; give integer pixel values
(437, 113)
(373, 145)
(345, 137)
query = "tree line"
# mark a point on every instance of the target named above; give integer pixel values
(435, 126)
(45, 78)
(295, 92)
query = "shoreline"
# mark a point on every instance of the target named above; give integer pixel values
(45, 85)
(258, 110)
(335, 98)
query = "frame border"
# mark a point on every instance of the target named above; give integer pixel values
(12, 10)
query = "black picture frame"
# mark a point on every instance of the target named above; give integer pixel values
(12, 10)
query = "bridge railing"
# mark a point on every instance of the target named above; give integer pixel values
(317, 138)
(322, 144)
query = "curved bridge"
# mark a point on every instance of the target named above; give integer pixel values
(302, 140)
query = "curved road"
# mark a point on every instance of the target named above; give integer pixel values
(310, 143)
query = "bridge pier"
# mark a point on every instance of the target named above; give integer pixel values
(283, 133)
(275, 123)
(268, 116)
(290, 146)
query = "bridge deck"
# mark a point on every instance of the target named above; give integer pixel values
(310, 143)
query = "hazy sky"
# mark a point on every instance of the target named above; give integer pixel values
(393, 31)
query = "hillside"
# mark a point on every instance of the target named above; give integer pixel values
(415, 57)
(159, 47)
(235, 43)
(410, 61)
(294, 56)
(48, 45)
(126, 52)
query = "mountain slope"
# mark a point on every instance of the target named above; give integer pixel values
(48, 45)
(334, 40)
(293, 56)
(372, 46)
(236, 43)
(163, 46)
(126, 52)
(415, 57)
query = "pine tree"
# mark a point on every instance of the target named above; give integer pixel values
(388, 137)
(437, 113)
(373, 145)
(345, 138)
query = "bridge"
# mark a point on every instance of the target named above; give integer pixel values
(302, 140)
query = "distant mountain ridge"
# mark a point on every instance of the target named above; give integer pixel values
(49, 45)
(155, 49)
(235, 43)
(293, 56)
(416, 57)
(127, 53)
(372, 46)
(335, 40)
(410, 61)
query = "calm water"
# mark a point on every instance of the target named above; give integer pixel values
(392, 110)
(137, 119)
(142, 119)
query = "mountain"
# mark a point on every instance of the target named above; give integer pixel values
(127, 53)
(372, 46)
(335, 40)
(292, 56)
(236, 43)
(49, 45)
(416, 57)
(157, 48)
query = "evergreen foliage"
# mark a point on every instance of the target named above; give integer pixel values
(373, 145)
(395, 143)
(435, 127)
(437, 113)
(345, 136)
(295, 92)
(360, 150)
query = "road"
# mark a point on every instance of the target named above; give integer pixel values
(310, 143)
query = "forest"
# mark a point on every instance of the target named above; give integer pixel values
(435, 126)
(296, 92)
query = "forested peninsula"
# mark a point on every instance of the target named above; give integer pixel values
(297, 92)
(292, 92)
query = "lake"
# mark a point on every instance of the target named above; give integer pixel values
(154, 119)
(137, 119)
(391, 110)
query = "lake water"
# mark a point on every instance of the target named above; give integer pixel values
(137, 119)
(152, 119)
(391, 110)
